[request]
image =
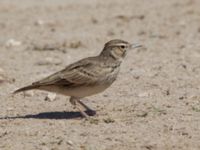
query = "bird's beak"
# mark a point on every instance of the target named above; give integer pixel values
(135, 45)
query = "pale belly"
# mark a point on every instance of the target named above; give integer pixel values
(78, 91)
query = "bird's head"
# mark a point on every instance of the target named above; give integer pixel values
(117, 49)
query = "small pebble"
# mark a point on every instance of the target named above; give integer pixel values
(12, 43)
(145, 94)
(39, 23)
(142, 114)
(1, 71)
(76, 44)
(69, 142)
(94, 121)
(10, 108)
(182, 23)
(2, 75)
(2, 79)
(109, 120)
(50, 97)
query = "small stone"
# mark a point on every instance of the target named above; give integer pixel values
(60, 142)
(124, 18)
(105, 95)
(141, 32)
(39, 23)
(2, 75)
(109, 120)
(69, 142)
(94, 20)
(2, 79)
(110, 33)
(10, 108)
(12, 43)
(75, 44)
(1, 71)
(198, 29)
(142, 114)
(50, 97)
(145, 94)
(182, 23)
(141, 17)
(94, 121)
(181, 97)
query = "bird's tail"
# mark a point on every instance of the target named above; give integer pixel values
(26, 88)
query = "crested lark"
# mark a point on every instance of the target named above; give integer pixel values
(86, 77)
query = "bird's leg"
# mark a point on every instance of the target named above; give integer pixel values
(88, 109)
(82, 104)
(73, 101)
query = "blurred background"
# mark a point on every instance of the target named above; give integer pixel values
(155, 103)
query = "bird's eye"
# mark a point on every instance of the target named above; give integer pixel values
(122, 47)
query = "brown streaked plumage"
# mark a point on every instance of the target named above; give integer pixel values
(86, 77)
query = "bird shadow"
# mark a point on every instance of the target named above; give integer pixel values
(52, 115)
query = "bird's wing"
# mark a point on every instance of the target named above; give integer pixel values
(85, 72)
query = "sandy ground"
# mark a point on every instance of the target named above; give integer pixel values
(154, 104)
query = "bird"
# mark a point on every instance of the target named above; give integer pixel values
(86, 77)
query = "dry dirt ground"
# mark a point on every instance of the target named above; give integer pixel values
(154, 104)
